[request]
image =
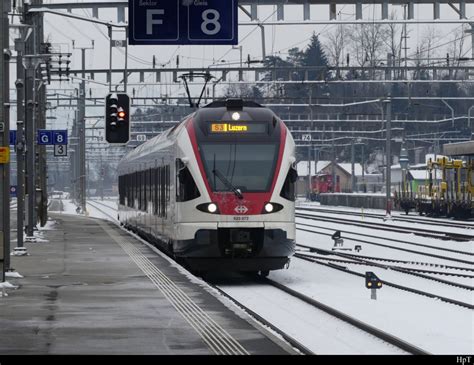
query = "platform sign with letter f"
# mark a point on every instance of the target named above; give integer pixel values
(153, 21)
(173, 22)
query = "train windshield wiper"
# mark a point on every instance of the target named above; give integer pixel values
(227, 183)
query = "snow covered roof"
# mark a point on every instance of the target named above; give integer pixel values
(423, 174)
(411, 167)
(348, 168)
(302, 167)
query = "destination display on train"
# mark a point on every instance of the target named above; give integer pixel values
(238, 127)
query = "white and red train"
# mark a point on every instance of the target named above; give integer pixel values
(217, 190)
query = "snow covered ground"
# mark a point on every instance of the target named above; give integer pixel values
(437, 327)
(383, 237)
(381, 213)
(432, 325)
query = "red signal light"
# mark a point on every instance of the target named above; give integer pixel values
(122, 114)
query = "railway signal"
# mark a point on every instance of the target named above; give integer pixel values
(373, 283)
(117, 118)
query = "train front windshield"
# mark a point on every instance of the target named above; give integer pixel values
(249, 167)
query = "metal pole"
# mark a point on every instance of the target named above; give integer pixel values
(30, 128)
(264, 53)
(82, 131)
(4, 142)
(110, 58)
(6, 119)
(316, 159)
(388, 163)
(20, 140)
(353, 178)
(42, 211)
(125, 72)
(333, 169)
(309, 173)
(363, 171)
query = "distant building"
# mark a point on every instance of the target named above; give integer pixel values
(343, 172)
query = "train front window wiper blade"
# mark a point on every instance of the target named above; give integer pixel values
(227, 183)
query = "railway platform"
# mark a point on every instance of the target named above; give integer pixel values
(94, 289)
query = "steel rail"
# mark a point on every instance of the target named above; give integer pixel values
(426, 221)
(394, 285)
(348, 319)
(390, 228)
(388, 246)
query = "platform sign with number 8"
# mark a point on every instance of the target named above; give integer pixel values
(211, 21)
(183, 22)
(60, 137)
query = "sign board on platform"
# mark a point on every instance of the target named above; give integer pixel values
(174, 22)
(60, 150)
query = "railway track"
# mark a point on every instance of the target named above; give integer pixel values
(395, 240)
(382, 335)
(296, 344)
(357, 259)
(390, 228)
(95, 203)
(415, 272)
(385, 245)
(366, 328)
(318, 260)
(401, 218)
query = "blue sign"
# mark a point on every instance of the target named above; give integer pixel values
(13, 191)
(45, 137)
(60, 137)
(13, 138)
(174, 22)
(52, 137)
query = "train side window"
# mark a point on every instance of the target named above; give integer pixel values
(152, 190)
(288, 189)
(122, 189)
(145, 190)
(162, 192)
(136, 198)
(158, 190)
(168, 183)
(142, 190)
(186, 188)
(129, 192)
(139, 186)
(134, 192)
(150, 186)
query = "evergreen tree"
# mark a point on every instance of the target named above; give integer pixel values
(314, 55)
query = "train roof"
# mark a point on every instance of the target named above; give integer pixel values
(212, 111)
(222, 109)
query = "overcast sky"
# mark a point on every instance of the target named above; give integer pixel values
(61, 30)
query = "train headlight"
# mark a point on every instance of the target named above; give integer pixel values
(236, 116)
(212, 208)
(271, 208)
(208, 208)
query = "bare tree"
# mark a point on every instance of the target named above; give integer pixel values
(334, 46)
(456, 50)
(392, 39)
(367, 44)
(425, 52)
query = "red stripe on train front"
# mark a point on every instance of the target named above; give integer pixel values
(228, 203)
